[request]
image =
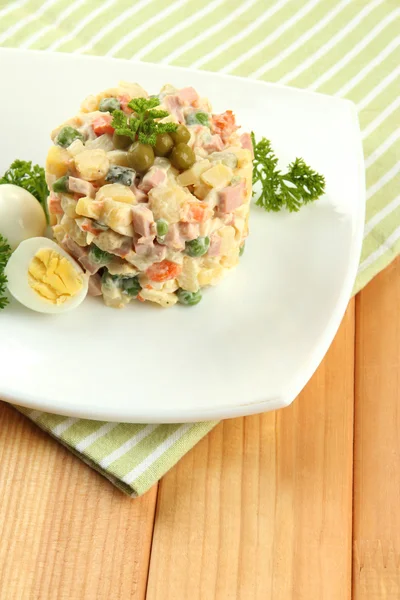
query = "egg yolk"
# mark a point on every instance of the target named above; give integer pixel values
(53, 277)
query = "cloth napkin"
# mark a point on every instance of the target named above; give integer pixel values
(347, 48)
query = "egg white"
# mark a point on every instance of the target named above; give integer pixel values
(16, 272)
(21, 215)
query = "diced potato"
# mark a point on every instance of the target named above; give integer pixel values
(59, 233)
(109, 240)
(90, 104)
(68, 204)
(246, 173)
(211, 276)
(75, 148)
(202, 190)
(118, 216)
(92, 164)
(192, 176)
(134, 90)
(119, 267)
(116, 192)
(231, 259)
(58, 161)
(188, 278)
(242, 154)
(118, 157)
(102, 142)
(227, 235)
(73, 231)
(218, 176)
(87, 207)
(166, 202)
(240, 226)
(114, 297)
(164, 299)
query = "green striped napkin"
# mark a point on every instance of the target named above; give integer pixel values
(349, 48)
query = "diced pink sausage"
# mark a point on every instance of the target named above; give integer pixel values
(144, 245)
(215, 144)
(174, 106)
(155, 176)
(139, 194)
(173, 239)
(143, 220)
(73, 248)
(94, 285)
(246, 143)
(88, 265)
(189, 231)
(231, 197)
(215, 245)
(188, 95)
(79, 186)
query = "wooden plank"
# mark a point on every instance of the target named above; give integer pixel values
(261, 508)
(376, 572)
(65, 532)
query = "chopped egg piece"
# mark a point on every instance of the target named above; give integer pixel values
(53, 276)
(45, 278)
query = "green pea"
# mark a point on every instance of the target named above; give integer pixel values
(188, 298)
(162, 227)
(121, 141)
(182, 157)
(109, 281)
(197, 247)
(198, 118)
(141, 156)
(99, 257)
(164, 144)
(123, 175)
(67, 135)
(241, 249)
(109, 105)
(181, 135)
(61, 185)
(131, 286)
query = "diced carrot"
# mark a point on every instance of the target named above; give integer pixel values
(224, 124)
(124, 101)
(103, 125)
(55, 205)
(140, 298)
(196, 213)
(163, 271)
(148, 287)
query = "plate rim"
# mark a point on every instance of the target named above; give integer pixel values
(293, 389)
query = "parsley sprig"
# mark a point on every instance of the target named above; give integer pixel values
(5, 253)
(30, 177)
(291, 190)
(142, 124)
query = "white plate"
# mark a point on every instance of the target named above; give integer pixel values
(254, 340)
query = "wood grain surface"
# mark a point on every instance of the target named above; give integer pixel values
(260, 509)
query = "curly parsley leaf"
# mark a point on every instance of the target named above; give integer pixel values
(291, 190)
(142, 124)
(30, 177)
(5, 253)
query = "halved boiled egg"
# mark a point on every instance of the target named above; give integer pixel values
(45, 278)
(21, 215)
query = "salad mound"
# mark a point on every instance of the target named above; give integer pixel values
(151, 194)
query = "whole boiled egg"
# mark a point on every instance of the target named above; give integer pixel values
(21, 215)
(45, 278)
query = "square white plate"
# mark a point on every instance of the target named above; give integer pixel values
(254, 340)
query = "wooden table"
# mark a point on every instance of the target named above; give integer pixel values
(300, 504)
